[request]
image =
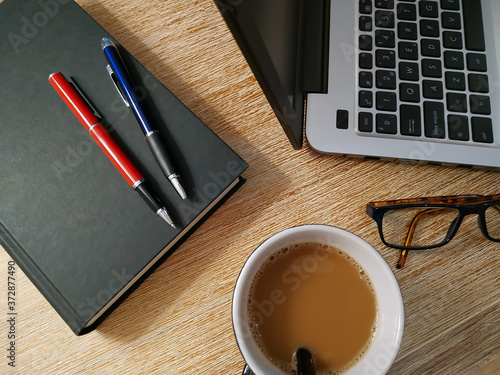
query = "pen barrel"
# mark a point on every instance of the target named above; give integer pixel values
(120, 160)
(128, 87)
(73, 100)
(152, 200)
(160, 153)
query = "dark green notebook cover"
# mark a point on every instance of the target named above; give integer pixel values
(67, 217)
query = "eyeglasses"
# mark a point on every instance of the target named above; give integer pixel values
(426, 223)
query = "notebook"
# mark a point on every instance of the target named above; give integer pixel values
(68, 218)
(411, 81)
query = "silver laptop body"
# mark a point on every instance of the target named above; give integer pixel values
(453, 120)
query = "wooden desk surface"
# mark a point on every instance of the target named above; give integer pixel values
(179, 321)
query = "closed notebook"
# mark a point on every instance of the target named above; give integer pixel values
(67, 217)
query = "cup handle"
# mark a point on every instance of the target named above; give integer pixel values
(247, 371)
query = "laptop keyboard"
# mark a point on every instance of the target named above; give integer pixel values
(423, 71)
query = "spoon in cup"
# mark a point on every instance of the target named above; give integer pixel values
(303, 357)
(305, 364)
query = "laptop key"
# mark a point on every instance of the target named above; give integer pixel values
(386, 101)
(458, 127)
(384, 4)
(480, 104)
(409, 92)
(386, 123)
(456, 102)
(430, 47)
(478, 82)
(429, 28)
(410, 121)
(365, 122)
(454, 60)
(473, 25)
(365, 60)
(450, 4)
(432, 89)
(407, 11)
(407, 30)
(408, 50)
(451, 20)
(385, 58)
(455, 81)
(365, 42)
(476, 62)
(385, 38)
(428, 9)
(452, 39)
(365, 23)
(365, 6)
(482, 129)
(365, 79)
(365, 99)
(431, 68)
(385, 79)
(408, 71)
(384, 19)
(434, 120)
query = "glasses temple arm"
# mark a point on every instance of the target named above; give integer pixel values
(403, 254)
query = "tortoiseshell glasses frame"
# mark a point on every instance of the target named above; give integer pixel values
(398, 220)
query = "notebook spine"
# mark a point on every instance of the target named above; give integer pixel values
(40, 280)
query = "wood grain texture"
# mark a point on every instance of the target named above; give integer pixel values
(178, 321)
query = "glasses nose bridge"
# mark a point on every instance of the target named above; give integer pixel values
(465, 211)
(469, 210)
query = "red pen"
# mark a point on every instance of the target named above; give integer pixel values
(80, 107)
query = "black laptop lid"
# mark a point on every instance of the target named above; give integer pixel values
(282, 40)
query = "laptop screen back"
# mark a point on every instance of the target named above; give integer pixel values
(270, 36)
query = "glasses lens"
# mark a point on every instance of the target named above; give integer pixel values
(492, 216)
(417, 226)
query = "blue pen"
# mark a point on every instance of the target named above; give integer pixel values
(125, 86)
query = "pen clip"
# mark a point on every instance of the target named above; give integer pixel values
(115, 82)
(75, 86)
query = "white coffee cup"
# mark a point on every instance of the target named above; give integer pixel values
(390, 312)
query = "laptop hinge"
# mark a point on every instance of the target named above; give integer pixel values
(316, 42)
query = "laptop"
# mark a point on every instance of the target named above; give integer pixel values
(410, 81)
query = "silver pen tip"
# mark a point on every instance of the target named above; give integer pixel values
(177, 185)
(162, 212)
(106, 42)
